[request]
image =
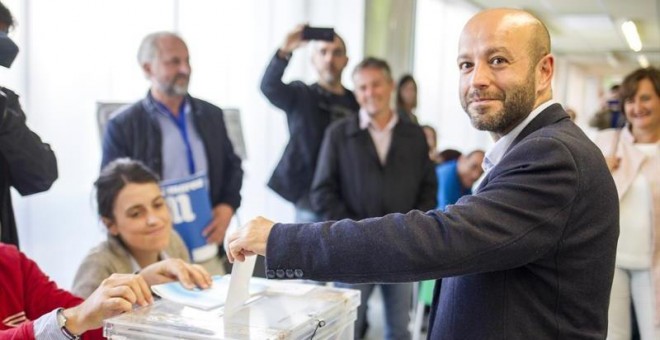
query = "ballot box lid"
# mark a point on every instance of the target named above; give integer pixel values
(284, 310)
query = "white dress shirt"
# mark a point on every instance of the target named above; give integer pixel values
(382, 138)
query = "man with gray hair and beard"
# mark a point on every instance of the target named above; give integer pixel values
(176, 135)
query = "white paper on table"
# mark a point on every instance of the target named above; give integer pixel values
(239, 283)
(205, 299)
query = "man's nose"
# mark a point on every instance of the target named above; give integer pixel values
(185, 68)
(328, 57)
(481, 75)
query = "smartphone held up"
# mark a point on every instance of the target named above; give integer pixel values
(318, 33)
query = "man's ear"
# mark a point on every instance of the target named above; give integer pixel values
(146, 69)
(345, 63)
(546, 69)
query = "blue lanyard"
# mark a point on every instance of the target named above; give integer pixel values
(181, 124)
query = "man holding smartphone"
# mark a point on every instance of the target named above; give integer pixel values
(309, 109)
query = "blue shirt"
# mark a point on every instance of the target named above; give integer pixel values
(182, 149)
(449, 184)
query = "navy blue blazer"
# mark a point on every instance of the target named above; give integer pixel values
(530, 255)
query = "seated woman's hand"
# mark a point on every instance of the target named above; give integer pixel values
(190, 275)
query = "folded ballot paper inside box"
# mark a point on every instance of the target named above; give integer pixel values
(283, 310)
(205, 299)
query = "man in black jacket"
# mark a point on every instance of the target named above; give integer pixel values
(530, 255)
(371, 165)
(26, 163)
(309, 109)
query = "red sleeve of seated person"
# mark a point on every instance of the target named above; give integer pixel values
(27, 294)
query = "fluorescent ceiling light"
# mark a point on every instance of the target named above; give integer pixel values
(632, 36)
(643, 61)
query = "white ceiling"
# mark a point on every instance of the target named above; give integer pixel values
(588, 32)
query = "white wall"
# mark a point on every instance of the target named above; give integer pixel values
(77, 52)
(578, 90)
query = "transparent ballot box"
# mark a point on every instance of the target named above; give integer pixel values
(282, 310)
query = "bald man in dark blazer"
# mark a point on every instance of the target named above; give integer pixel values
(530, 255)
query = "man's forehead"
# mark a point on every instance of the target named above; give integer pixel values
(470, 49)
(494, 39)
(329, 45)
(169, 40)
(369, 74)
(503, 26)
(171, 45)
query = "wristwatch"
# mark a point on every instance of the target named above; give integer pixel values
(61, 322)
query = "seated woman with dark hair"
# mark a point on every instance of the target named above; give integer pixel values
(139, 224)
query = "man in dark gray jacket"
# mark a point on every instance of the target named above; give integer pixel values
(371, 165)
(309, 110)
(530, 255)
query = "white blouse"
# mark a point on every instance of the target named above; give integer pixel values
(636, 233)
